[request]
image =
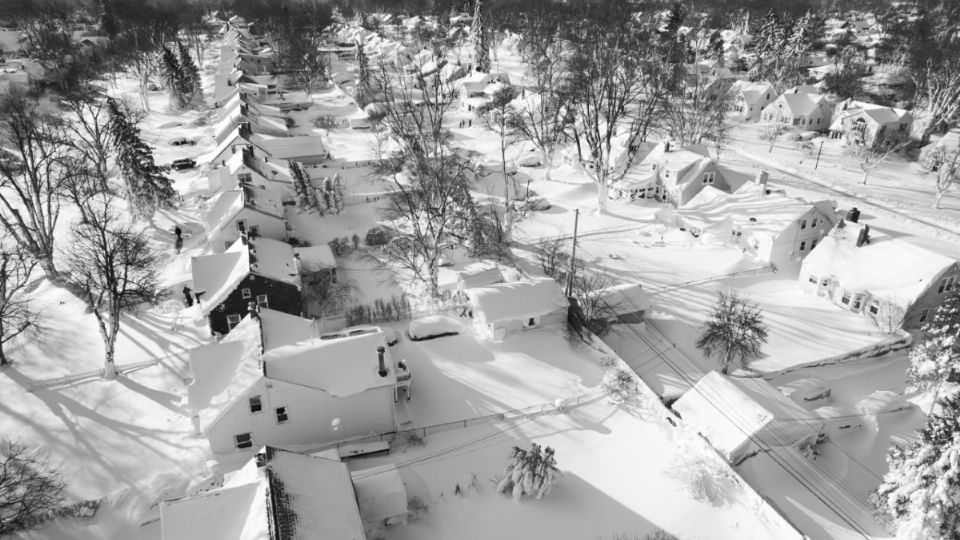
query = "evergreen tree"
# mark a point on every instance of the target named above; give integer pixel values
(937, 355)
(189, 73)
(734, 332)
(303, 189)
(108, 22)
(921, 493)
(481, 43)
(363, 97)
(530, 472)
(146, 186)
(173, 79)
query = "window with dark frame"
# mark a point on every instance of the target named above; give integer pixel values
(243, 440)
(282, 416)
(245, 293)
(256, 405)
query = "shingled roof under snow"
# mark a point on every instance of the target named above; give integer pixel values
(518, 300)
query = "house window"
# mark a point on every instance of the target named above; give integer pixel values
(531, 322)
(226, 245)
(253, 231)
(946, 284)
(803, 246)
(903, 127)
(256, 405)
(857, 301)
(803, 224)
(245, 178)
(245, 294)
(824, 282)
(813, 243)
(874, 308)
(845, 299)
(233, 320)
(923, 315)
(708, 178)
(813, 222)
(242, 225)
(243, 440)
(282, 416)
(813, 279)
(262, 300)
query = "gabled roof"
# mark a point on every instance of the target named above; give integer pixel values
(289, 147)
(752, 92)
(277, 495)
(801, 104)
(229, 203)
(896, 269)
(218, 275)
(518, 300)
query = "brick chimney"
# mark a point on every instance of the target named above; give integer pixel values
(761, 178)
(383, 366)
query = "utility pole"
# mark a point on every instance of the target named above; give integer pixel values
(573, 253)
(817, 164)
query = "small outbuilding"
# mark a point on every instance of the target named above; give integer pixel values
(507, 308)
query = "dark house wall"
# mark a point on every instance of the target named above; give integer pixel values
(280, 296)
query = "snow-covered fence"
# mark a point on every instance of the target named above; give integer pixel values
(900, 340)
(505, 416)
(398, 309)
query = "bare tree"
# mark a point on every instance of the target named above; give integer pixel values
(31, 177)
(497, 117)
(30, 487)
(16, 313)
(771, 132)
(870, 157)
(944, 165)
(542, 115)
(734, 333)
(113, 269)
(697, 108)
(89, 128)
(609, 77)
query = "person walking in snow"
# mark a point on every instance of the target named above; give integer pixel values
(187, 296)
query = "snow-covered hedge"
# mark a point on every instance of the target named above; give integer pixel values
(434, 327)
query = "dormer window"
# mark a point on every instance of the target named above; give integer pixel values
(709, 178)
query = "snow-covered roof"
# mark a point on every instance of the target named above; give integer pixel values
(315, 258)
(750, 208)
(518, 300)
(342, 366)
(218, 275)
(895, 269)
(380, 493)
(225, 206)
(224, 372)
(277, 494)
(752, 92)
(289, 147)
(735, 413)
(801, 104)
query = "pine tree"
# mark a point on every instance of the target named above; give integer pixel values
(481, 44)
(173, 78)
(302, 187)
(108, 22)
(921, 492)
(734, 333)
(530, 472)
(363, 83)
(937, 355)
(147, 188)
(189, 74)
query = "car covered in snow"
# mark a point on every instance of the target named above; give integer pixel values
(806, 390)
(433, 327)
(183, 141)
(530, 159)
(181, 164)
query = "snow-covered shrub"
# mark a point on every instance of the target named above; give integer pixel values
(415, 438)
(377, 236)
(416, 508)
(433, 327)
(620, 385)
(530, 472)
(707, 479)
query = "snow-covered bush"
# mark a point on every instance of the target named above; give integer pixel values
(416, 508)
(377, 236)
(707, 479)
(530, 472)
(620, 385)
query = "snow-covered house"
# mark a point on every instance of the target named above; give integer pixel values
(807, 111)
(307, 149)
(277, 495)
(458, 278)
(768, 225)
(257, 272)
(892, 281)
(750, 98)
(248, 210)
(740, 416)
(242, 169)
(503, 309)
(874, 125)
(673, 175)
(276, 380)
(251, 118)
(950, 142)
